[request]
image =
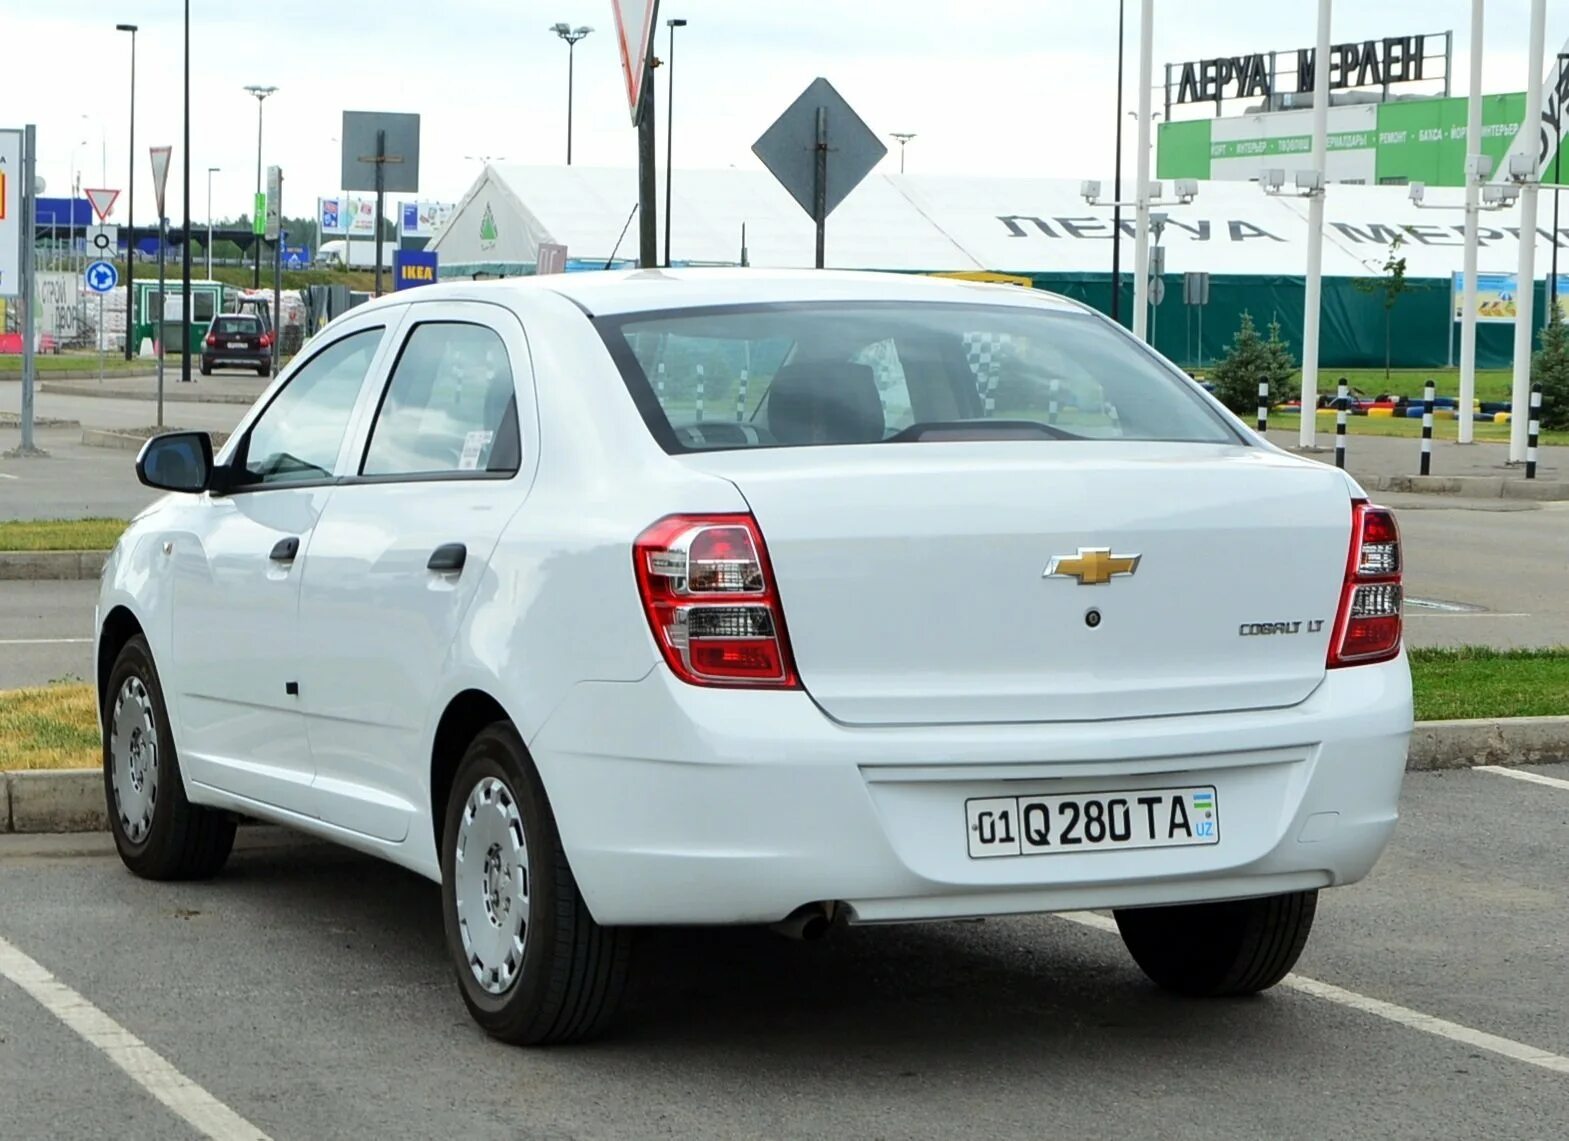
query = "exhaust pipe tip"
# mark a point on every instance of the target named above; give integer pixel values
(807, 923)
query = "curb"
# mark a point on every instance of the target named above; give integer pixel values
(1471, 486)
(132, 442)
(53, 566)
(107, 438)
(1504, 741)
(76, 374)
(72, 800)
(173, 393)
(12, 420)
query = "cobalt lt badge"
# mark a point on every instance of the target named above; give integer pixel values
(1092, 566)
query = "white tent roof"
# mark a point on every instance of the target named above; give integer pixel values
(931, 222)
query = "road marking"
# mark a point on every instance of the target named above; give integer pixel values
(43, 641)
(198, 1108)
(3, 475)
(1516, 774)
(1389, 1011)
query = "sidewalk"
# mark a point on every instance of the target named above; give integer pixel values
(1389, 463)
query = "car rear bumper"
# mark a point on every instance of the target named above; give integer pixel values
(684, 805)
(249, 358)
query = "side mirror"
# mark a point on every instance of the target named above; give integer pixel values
(177, 461)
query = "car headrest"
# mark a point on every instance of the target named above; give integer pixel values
(824, 402)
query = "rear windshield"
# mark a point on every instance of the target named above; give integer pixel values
(234, 326)
(766, 376)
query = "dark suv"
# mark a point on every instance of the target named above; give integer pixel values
(239, 340)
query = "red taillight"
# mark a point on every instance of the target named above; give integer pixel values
(266, 340)
(1367, 628)
(709, 594)
(211, 340)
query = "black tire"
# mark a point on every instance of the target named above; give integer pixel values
(264, 371)
(1215, 949)
(206, 369)
(573, 972)
(163, 836)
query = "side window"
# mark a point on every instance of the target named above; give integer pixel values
(450, 408)
(298, 436)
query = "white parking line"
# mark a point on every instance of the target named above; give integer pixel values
(203, 1112)
(3, 475)
(1389, 1011)
(44, 641)
(1517, 774)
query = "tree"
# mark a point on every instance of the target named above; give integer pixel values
(1391, 286)
(1249, 360)
(1550, 369)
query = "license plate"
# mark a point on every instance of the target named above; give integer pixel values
(1091, 821)
(237, 344)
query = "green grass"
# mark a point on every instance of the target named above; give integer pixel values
(1406, 428)
(76, 362)
(54, 727)
(60, 534)
(1475, 681)
(1491, 383)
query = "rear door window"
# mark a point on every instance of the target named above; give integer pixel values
(450, 408)
(782, 375)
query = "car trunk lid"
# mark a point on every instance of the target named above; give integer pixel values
(915, 587)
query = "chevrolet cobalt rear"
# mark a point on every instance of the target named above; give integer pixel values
(617, 600)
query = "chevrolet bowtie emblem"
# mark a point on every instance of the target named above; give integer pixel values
(1092, 566)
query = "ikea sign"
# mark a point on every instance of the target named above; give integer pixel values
(413, 267)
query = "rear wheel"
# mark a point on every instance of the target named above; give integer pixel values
(1212, 949)
(263, 370)
(159, 833)
(533, 966)
(206, 369)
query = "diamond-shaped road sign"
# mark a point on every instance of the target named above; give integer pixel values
(789, 147)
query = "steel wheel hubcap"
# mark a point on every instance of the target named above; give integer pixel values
(133, 754)
(491, 885)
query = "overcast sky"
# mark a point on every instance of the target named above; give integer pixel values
(1000, 87)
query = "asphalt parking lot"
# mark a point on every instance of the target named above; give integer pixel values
(306, 994)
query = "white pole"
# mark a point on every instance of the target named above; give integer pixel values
(1141, 232)
(1525, 287)
(1315, 265)
(1473, 148)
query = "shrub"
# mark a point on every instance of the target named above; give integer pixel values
(1550, 369)
(1250, 359)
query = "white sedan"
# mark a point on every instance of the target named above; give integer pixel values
(614, 600)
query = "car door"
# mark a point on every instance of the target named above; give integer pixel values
(236, 656)
(401, 551)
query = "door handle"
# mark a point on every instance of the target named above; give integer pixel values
(448, 557)
(285, 550)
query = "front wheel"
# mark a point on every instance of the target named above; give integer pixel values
(1213, 949)
(533, 966)
(159, 833)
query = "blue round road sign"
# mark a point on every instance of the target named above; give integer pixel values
(102, 276)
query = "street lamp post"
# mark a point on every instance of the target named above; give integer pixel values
(903, 137)
(130, 193)
(571, 35)
(1116, 214)
(1558, 181)
(211, 170)
(670, 129)
(261, 94)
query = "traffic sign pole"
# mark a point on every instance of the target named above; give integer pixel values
(820, 185)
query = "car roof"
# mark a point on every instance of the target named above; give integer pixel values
(642, 290)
